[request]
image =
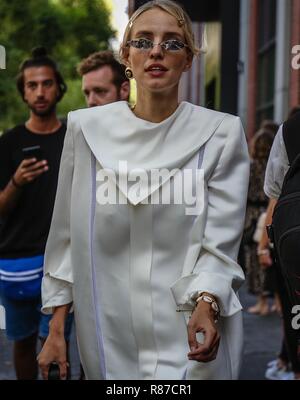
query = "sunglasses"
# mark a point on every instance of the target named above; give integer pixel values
(147, 44)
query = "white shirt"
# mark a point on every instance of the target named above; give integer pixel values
(277, 167)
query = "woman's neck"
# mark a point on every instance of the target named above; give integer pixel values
(155, 108)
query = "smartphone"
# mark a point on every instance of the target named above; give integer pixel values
(33, 152)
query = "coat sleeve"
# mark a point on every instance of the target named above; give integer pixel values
(57, 281)
(216, 270)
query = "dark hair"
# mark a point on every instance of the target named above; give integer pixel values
(101, 59)
(261, 144)
(269, 125)
(40, 58)
(293, 111)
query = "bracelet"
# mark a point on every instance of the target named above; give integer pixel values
(16, 185)
(263, 252)
(214, 305)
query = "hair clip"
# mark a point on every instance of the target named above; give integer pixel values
(181, 21)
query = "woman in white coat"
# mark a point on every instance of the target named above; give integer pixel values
(148, 267)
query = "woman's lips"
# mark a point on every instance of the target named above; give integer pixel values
(156, 70)
(156, 73)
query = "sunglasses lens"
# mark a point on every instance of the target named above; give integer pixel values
(173, 45)
(144, 44)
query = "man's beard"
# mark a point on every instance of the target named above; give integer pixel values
(45, 112)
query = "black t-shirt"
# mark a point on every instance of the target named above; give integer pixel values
(24, 231)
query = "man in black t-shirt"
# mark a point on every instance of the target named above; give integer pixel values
(29, 165)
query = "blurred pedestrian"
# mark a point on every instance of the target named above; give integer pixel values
(103, 79)
(277, 168)
(29, 164)
(257, 204)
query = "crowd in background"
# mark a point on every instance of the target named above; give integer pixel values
(262, 278)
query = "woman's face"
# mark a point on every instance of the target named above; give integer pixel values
(157, 69)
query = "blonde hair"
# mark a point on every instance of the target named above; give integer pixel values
(172, 8)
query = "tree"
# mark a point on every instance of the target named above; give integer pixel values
(69, 29)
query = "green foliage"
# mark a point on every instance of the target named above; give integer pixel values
(69, 29)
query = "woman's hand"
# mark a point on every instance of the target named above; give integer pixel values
(54, 350)
(203, 320)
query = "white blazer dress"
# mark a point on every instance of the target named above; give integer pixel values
(132, 269)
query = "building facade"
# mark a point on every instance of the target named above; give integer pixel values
(270, 84)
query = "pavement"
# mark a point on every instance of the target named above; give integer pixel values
(262, 341)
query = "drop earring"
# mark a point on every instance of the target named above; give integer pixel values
(128, 73)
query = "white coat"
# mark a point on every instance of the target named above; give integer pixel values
(128, 268)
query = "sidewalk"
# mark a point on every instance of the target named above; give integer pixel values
(262, 340)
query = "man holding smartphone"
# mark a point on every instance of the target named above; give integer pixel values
(29, 165)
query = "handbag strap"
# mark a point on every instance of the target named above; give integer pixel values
(291, 137)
